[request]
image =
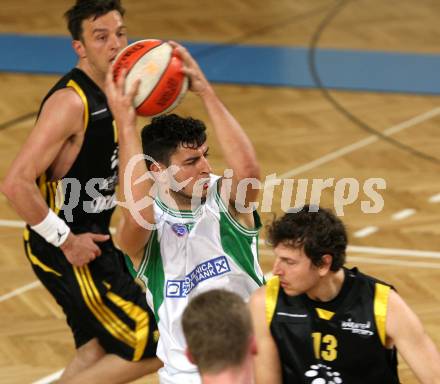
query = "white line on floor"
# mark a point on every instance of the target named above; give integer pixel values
(364, 232)
(20, 290)
(381, 251)
(435, 198)
(51, 378)
(12, 223)
(361, 143)
(393, 252)
(402, 263)
(403, 214)
(21, 224)
(374, 260)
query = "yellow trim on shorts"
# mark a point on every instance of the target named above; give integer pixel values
(140, 318)
(73, 84)
(136, 339)
(272, 289)
(381, 295)
(103, 314)
(34, 259)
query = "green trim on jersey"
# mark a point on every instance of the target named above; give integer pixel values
(130, 266)
(184, 213)
(152, 268)
(237, 240)
(238, 226)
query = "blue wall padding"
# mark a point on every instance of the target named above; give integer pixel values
(256, 64)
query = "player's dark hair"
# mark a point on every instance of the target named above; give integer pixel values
(84, 9)
(315, 229)
(165, 133)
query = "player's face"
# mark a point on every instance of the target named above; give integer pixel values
(102, 39)
(193, 170)
(295, 270)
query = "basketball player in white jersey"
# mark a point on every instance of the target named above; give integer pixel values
(193, 247)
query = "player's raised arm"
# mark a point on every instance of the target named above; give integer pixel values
(236, 147)
(135, 226)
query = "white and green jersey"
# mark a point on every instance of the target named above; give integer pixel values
(189, 253)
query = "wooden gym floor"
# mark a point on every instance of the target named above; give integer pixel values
(293, 130)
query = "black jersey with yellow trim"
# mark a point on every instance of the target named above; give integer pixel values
(85, 197)
(339, 343)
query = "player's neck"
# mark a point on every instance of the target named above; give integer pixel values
(328, 287)
(244, 374)
(97, 76)
(182, 202)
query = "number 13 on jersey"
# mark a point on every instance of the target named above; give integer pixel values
(325, 346)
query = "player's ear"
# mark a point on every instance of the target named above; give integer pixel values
(78, 47)
(253, 345)
(154, 167)
(326, 263)
(189, 356)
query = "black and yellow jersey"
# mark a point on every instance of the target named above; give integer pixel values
(341, 341)
(85, 197)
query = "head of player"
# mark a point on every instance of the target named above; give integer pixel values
(309, 247)
(176, 141)
(98, 34)
(218, 329)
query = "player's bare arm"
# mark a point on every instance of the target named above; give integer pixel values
(236, 147)
(406, 332)
(267, 362)
(131, 235)
(52, 145)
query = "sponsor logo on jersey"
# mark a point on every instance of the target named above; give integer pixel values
(322, 374)
(359, 328)
(207, 270)
(179, 229)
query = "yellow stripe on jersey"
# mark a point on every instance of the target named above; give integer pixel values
(105, 316)
(42, 186)
(324, 314)
(140, 318)
(73, 84)
(51, 202)
(272, 289)
(115, 131)
(381, 295)
(59, 196)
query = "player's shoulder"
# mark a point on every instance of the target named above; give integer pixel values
(62, 112)
(66, 98)
(63, 101)
(258, 297)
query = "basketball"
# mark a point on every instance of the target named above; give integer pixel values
(163, 84)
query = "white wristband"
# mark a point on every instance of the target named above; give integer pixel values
(53, 229)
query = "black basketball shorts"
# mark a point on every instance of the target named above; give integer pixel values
(100, 300)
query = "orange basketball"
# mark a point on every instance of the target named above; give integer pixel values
(154, 62)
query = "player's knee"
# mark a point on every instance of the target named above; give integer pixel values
(90, 352)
